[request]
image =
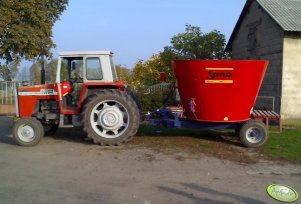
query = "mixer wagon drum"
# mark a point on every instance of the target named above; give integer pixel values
(223, 92)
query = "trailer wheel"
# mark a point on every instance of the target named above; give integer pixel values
(110, 117)
(28, 131)
(253, 134)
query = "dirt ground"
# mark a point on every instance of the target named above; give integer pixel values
(66, 168)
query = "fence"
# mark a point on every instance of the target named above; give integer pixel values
(7, 92)
(162, 87)
(7, 96)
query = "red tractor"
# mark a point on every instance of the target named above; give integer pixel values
(86, 93)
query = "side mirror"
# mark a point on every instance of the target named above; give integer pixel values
(163, 77)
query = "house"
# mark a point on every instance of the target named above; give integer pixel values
(271, 30)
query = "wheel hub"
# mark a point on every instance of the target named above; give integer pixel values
(110, 118)
(254, 135)
(26, 133)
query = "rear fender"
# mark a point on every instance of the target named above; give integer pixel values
(90, 89)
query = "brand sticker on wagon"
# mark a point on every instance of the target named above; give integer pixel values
(219, 76)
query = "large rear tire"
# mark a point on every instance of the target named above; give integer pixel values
(28, 131)
(253, 134)
(110, 117)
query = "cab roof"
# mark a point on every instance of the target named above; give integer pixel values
(82, 53)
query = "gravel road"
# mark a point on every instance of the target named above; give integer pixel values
(67, 169)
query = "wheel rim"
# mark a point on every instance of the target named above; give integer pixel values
(26, 133)
(254, 135)
(109, 119)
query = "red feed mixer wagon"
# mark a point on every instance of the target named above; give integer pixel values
(218, 94)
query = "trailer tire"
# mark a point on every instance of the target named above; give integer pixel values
(110, 117)
(28, 131)
(253, 134)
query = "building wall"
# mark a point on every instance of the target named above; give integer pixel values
(260, 37)
(291, 79)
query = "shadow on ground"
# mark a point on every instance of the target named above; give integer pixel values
(220, 144)
(228, 137)
(6, 126)
(192, 192)
(75, 135)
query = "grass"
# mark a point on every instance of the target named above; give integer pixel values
(284, 146)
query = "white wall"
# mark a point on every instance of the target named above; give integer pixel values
(291, 79)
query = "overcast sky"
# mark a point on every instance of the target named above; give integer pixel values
(136, 29)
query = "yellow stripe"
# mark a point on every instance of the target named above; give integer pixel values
(220, 69)
(219, 81)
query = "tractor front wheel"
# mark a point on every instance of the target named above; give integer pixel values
(253, 134)
(110, 117)
(28, 131)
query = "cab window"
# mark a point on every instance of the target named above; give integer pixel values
(93, 68)
(72, 69)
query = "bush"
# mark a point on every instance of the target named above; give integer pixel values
(150, 101)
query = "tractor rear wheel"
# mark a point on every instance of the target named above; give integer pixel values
(253, 134)
(110, 117)
(28, 131)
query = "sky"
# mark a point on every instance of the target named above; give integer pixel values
(136, 29)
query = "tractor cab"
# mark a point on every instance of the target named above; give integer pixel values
(78, 68)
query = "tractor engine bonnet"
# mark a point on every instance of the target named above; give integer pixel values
(219, 90)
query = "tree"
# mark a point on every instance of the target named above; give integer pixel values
(51, 70)
(8, 71)
(193, 44)
(35, 75)
(23, 74)
(123, 73)
(147, 73)
(26, 28)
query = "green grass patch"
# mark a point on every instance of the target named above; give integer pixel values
(285, 146)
